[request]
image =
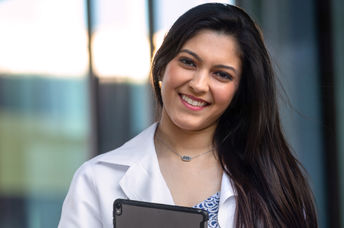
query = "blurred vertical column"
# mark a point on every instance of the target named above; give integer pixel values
(326, 45)
(338, 55)
(93, 84)
(44, 114)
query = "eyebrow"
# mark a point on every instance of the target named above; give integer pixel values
(200, 59)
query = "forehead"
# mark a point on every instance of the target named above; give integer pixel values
(214, 47)
(206, 39)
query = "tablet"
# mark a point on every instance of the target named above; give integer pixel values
(138, 214)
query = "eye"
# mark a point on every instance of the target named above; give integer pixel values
(187, 62)
(223, 75)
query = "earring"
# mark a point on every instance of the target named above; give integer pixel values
(160, 84)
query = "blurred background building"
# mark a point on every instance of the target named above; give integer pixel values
(74, 83)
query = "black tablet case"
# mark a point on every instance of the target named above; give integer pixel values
(138, 214)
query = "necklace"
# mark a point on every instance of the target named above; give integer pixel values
(184, 158)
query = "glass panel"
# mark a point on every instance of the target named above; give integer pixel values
(43, 107)
(121, 55)
(120, 41)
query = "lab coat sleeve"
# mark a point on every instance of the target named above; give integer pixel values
(81, 205)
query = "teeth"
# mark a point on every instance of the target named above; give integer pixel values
(193, 102)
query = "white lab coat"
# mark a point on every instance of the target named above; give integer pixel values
(131, 171)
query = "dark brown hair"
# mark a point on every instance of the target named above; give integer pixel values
(271, 188)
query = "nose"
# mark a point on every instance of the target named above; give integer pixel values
(199, 82)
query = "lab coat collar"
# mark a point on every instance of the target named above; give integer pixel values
(226, 189)
(143, 180)
(134, 150)
(226, 210)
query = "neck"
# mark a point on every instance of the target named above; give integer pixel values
(191, 142)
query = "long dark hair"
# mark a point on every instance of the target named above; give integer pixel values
(271, 188)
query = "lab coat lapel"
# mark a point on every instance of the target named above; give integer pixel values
(143, 180)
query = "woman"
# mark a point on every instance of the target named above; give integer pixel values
(218, 138)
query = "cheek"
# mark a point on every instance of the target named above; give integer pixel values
(224, 97)
(173, 76)
(169, 83)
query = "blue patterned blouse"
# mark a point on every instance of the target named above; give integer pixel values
(211, 205)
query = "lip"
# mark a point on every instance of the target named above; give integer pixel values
(191, 107)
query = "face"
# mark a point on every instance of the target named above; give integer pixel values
(200, 82)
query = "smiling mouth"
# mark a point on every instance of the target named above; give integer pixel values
(193, 102)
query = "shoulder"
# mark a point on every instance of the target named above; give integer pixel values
(114, 163)
(119, 159)
(130, 152)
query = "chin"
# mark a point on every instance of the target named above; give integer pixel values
(191, 125)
